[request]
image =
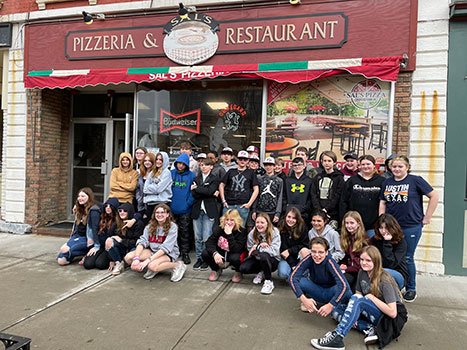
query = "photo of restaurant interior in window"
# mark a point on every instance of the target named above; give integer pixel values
(344, 113)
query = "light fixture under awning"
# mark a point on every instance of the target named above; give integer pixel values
(383, 68)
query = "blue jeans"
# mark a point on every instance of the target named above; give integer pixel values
(412, 236)
(398, 277)
(284, 269)
(243, 212)
(78, 247)
(117, 251)
(203, 229)
(347, 316)
(370, 233)
(321, 294)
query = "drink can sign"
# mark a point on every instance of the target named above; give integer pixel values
(366, 94)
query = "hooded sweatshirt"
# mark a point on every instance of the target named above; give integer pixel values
(326, 190)
(363, 196)
(123, 181)
(159, 189)
(274, 248)
(131, 234)
(334, 241)
(159, 241)
(182, 199)
(93, 234)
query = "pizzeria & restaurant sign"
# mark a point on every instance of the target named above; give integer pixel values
(316, 31)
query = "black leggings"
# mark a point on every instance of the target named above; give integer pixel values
(232, 258)
(265, 263)
(99, 261)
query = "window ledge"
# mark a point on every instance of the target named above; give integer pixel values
(43, 3)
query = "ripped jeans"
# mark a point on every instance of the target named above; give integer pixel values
(347, 316)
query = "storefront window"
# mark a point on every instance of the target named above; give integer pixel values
(210, 115)
(343, 114)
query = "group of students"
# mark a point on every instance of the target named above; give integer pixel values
(258, 220)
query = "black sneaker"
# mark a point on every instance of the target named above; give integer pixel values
(197, 264)
(331, 341)
(186, 259)
(370, 336)
(410, 296)
(204, 266)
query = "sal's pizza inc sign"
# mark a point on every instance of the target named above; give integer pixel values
(198, 37)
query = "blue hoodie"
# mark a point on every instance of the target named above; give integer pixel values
(182, 200)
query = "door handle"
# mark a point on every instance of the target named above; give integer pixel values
(104, 168)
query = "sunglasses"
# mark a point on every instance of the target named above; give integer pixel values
(121, 210)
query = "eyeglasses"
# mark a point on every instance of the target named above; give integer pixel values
(318, 252)
(297, 165)
(160, 212)
(140, 153)
(121, 210)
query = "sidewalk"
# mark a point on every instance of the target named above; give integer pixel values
(71, 308)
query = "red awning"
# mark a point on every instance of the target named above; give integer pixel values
(383, 68)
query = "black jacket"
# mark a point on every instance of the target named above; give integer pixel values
(132, 234)
(297, 194)
(294, 245)
(237, 240)
(205, 192)
(389, 328)
(394, 255)
(327, 199)
(363, 196)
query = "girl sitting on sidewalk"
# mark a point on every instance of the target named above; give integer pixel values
(294, 238)
(225, 245)
(157, 248)
(377, 299)
(353, 239)
(263, 246)
(86, 224)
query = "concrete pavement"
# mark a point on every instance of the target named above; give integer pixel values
(71, 308)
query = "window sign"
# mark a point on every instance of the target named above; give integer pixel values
(343, 114)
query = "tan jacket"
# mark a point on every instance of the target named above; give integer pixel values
(123, 181)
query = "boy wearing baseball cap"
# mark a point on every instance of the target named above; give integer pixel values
(227, 162)
(350, 167)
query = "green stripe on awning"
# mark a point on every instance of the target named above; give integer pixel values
(154, 70)
(283, 66)
(40, 73)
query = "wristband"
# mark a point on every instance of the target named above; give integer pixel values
(223, 202)
(136, 258)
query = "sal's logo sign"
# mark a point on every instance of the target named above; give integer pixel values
(366, 94)
(191, 40)
(188, 121)
(232, 114)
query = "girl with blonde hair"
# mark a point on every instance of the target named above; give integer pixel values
(225, 246)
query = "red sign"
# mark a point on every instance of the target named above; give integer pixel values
(188, 121)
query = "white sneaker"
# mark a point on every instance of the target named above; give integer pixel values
(258, 278)
(268, 287)
(118, 268)
(178, 272)
(150, 274)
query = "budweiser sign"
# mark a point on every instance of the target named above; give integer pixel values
(188, 121)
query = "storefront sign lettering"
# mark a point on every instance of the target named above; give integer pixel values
(193, 40)
(187, 121)
(232, 115)
(366, 94)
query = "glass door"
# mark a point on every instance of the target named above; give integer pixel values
(91, 157)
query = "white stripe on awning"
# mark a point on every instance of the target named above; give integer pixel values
(64, 73)
(332, 64)
(178, 70)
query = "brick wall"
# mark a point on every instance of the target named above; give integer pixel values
(47, 156)
(400, 139)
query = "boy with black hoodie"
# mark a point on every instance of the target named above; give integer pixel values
(297, 190)
(182, 201)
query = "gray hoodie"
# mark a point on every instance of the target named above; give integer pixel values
(168, 244)
(274, 248)
(159, 189)
(334, 241)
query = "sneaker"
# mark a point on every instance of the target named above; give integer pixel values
(237, 277)
(215, 275)
(197, 264)
(118, 268)
(258, 278)
(410, 296)
(178, 272)
(186, 259)
(149, 274)
(331, 341)
(268, 287)
(204, 266)
(370, 336)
